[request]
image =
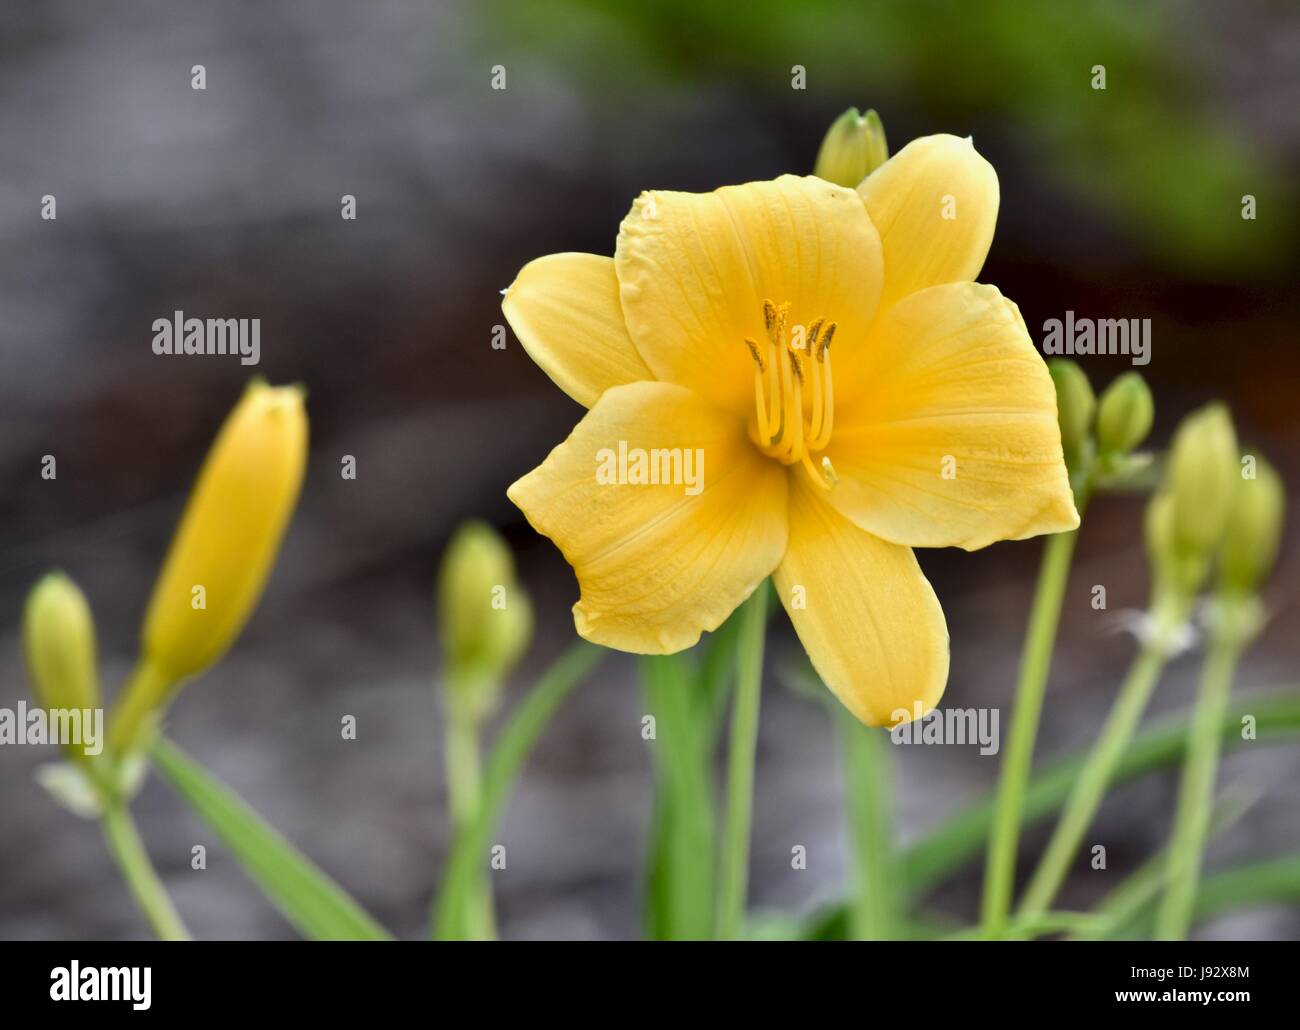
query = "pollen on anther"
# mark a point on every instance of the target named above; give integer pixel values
(758, 358)
(826, 342)
(769, 315)
(813, 330)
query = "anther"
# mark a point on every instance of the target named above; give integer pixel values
(753, 350)
(826, 342)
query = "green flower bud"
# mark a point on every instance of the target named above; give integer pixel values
(1158, 527)
(1203, 477)
(1075, 404)
(485, 616)
(1254, 532)
(1125, 414)
(853, 148)
(1177, 573)
(59, 646)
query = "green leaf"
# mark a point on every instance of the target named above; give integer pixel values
(680, 868)
(962, 837)
(310, 900)
(512, 748)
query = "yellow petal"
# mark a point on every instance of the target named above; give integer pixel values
(658, 563)
(695, 270)
(865, 613)
(952, 438)
(565, 310)
(934, 204)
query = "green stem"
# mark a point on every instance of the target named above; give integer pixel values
(1099, 766)
(740, 767)
(1035, 662)
(465, 790)
(469, 847)
(679, 888)
(134, 715)
(1196, 790)
(873, 910)
(1039, 925)
(1118, 910)
(125, 844)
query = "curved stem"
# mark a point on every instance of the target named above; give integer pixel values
(507, 757)
(1093, 779)
(127, 848)
(1035, 662)
(1196, 791)
(740, 767)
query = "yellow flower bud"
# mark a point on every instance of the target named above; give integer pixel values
(1125, 414)
(1250, 543)
(59, 644)
(852, 149)
(485, 616)
(223, 550)
(1075, 405)
(1203, 476)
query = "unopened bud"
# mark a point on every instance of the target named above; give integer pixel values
(485, 615)
(1177, 572)
(1125, 414)
(1203, 476)
(59, 647)
(1254, 532)
(1075, 405)
(852, 149)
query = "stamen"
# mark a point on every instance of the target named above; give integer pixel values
(780, 379)
(822, 436)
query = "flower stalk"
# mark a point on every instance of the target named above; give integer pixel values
(733, 879)
(128, 850)
(873, 911)
(1035, 663)
(1099, 767)
(1196, 789)
(1234, 618)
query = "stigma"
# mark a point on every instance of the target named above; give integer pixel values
(794, 401)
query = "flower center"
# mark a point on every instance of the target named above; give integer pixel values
(792, 379)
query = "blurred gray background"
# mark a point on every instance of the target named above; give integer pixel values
(225, 203)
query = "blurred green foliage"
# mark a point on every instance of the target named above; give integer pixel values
(1153, 151)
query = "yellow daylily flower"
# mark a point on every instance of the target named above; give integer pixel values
(720, 449)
